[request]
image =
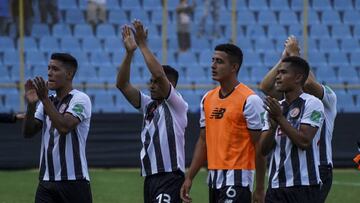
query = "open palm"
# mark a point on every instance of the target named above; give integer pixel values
(30, 92)
(129, 42)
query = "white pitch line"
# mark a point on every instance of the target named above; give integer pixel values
(346, 183)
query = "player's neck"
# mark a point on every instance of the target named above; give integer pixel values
(62, 92)
(228, 86)
(292, 95)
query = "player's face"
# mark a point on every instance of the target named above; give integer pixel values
(285, 78)
(154, 89)
(221, 67)
(57, 75)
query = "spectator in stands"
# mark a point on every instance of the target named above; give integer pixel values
(184, 11)
(4, 16)
(96, 12)
(210, 7)
(28, 15)
(165, 119)
(49, 7)
(11, 117)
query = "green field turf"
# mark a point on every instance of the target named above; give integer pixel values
(125, 185)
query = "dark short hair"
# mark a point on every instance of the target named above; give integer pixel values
(299, 65)
(171, 73)
(68, 60)
(234, 52)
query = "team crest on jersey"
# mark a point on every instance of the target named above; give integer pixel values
(294, 112)
(62, 108)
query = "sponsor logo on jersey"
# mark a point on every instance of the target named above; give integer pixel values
(217, 113)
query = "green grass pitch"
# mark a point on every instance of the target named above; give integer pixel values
(126, 185)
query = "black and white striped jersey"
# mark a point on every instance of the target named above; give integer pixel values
(290, 165)
(162, 136)
(63, 156)
(329, 101)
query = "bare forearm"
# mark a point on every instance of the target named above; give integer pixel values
(56, 118)
(298, 138)
(267, 140)
(30, 127)
(152, 63)
(198, 160)
(123, 76)
(260, 162)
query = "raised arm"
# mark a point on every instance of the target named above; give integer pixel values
(123, 76)
(30, 125)
(197, 162)
(152, 63)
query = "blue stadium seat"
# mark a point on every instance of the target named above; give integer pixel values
(351, 17)
(186, 57)
(139, 13)
(86, 74)
(246, 18)
(91, 44)
(338, 59)
(151, 5)
(48, 44)
(258, 73)
(258, 5)
(206, 55)
(67, 4)
(199, 44)
(264, 45)
(271, 58)
(296, 5)
(12, 102)
(245, 44)
(356, 31)
(316, 58)
(118, 17)
(104, 31)
(74, 16)
(288, 18)
(157, 17)
(6, 44)
(40, 30)
(255, 32)
(81, 57)
(345, 101)
(83, 30)
(197, 74)
(99, 58)
(130, 4)
(252, 59)
(117, 56)
(277, 31)
(4, 76)
(122, 105)
(61, 30)
(40, 70)
(341, 31)
(11, 57)
(107, 73)
(266, 17)
(83, 5)
(29, 44)
(279, 5)
(313, 17)
(355, 59)
(321, 5)
(225, 18)
(69, 44)
(192, 99)
(319, 31)
(348, 75)
(113, 44)
(330, 17)
(172, 44)
(326, 74)
(241, 5)
(35, 58)
(349, 45)
(295, 30)
(112, 4)
(343, 5)
(104, 102)
(328, 45)
(155, 43)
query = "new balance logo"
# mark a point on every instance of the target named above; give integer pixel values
(217, 113)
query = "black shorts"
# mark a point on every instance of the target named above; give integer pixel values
(326, 176)
(233, 194)
(163, 187)
(63, 191)
(295, 194)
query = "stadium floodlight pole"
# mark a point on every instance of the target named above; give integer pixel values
(21, 54)
(233, 22)
(164, 32)
(305, 28)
